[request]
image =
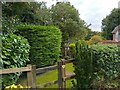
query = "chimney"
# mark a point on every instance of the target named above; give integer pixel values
(119, 4)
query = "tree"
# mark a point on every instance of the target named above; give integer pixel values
(30, 13)
(66, 17)
(110, 22)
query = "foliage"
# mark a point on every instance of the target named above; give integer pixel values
(83, 65)
(110, 22)
(106, 63)
(72, 50)
(107, 60)
(66, 17)
(9, 24)
(27, 12)
(91, 33)
(95, 39)
(15, 53)
(97, 66)
(45, 42)
(62, 15)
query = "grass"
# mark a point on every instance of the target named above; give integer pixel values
(50, 76)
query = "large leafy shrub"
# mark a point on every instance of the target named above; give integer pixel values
(15, 53)
(106, 63)
(97, 66)
(45, 42)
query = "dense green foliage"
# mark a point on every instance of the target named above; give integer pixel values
(9, 24)
(62, 15)
(83, 65)
(45, 42)
(27, 12)
(97, 66)
(110, 22)
(66, 17)
(15, 53)
(106, 60)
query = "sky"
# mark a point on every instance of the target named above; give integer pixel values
(91, 11)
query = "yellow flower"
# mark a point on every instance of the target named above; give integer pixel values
(7, 87)
(13, 86)
(20, 86)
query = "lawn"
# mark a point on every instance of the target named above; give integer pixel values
(48, 77)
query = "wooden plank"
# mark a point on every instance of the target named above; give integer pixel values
(45, 69)
(68, 61)
(14, 70)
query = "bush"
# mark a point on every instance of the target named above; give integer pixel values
(83, 65)
(45, 42)
(106, 61)
(95, 39)
(15, 53)
(97, 65)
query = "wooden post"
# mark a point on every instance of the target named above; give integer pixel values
(31, 76)
(63, 74)
(60, 82)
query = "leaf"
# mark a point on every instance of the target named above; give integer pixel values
(7, 62)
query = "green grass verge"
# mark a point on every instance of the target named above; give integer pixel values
(50, 76)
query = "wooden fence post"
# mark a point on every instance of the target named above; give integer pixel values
(63, 74)
(31, 76)
(60, 82)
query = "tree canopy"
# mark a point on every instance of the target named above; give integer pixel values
(66, 17)
(110, 22)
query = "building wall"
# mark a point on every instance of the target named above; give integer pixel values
(114, 36)
(117, 35)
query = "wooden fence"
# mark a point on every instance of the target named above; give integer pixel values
(32, 71)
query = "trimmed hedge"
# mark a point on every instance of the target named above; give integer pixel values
(15, 53)
(45, 42)
(97, 66)
(106, 58)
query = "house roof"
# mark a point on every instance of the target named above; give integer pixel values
(116, 29)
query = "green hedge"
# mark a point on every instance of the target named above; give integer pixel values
(15, 53)
(97, 66)
(45, 42)
(106, 63)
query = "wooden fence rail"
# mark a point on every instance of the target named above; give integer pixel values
(31, 73)
(45, 69)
